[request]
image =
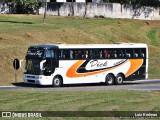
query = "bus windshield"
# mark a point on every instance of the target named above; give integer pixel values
(35, 58)
(33, 66)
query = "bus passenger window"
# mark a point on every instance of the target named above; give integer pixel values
(112, 54)
(101, 54)
(135, 53)
(85, 54)
(128, 53)
(91, 54)
(79, 54)
(97, 54)
(141, 53)
(115, 54)
(61, 55)
(71, 54)
(66, 54)
(75, 54)
(120, 53)
(106, 54)
(49, 54)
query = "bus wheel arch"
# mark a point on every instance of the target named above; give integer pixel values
(120, 78)
(110, 79)
(57, 81)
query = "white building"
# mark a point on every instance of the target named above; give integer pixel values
(94, 1)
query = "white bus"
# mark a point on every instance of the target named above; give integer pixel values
(86, 63)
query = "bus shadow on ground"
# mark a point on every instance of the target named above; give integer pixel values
(22, 84)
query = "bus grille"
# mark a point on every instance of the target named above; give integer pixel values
(31, 81)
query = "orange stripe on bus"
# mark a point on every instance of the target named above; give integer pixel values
(135, 64)
(72, 70)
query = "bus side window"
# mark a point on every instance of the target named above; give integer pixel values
(106, 54)
(97, 54)
(61, 54)
(49, 54)
(141, 53)
(79, 54)
(75, 54)
(101, 54)
(71, 54)
(115, 53)
(127, 53)
(120, 53)
(91, 54)
(85, 54)
(52, 54)
(66, 54)
(135, 53)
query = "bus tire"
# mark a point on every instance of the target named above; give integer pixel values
(110, 79)
(119, 79)
(57, 81)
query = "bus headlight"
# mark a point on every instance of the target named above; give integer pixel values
(37, 82)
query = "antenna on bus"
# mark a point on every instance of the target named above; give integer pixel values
(60, 43)
(124, 43)
(121, 43)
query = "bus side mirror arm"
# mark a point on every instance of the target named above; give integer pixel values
(20, 62)
(41, 64)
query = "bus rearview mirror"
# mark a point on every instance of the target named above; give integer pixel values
(17, 64)
(41, 64)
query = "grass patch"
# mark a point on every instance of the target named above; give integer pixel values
(153, 36)
(79, 101)
(17, 32)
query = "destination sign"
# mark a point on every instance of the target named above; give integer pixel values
(35, 53)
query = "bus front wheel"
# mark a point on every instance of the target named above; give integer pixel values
(119, 79)
(57, 81)
(110, 79)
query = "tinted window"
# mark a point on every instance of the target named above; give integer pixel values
(49, 54)
(75, 54)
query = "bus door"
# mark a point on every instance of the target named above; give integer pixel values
(51, 62)
(140, 73)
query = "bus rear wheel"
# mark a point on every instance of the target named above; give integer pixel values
(57, 81)
(119, 79)
(110, 79)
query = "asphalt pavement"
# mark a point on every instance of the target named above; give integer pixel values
(142, 85)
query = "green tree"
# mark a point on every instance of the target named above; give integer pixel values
(26, 6)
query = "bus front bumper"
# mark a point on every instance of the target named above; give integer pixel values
(38, 79)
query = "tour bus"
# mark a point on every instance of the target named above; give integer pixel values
(60, 64)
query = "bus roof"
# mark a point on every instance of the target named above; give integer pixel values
(44, 46)
(74, 46)
(118, 45)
